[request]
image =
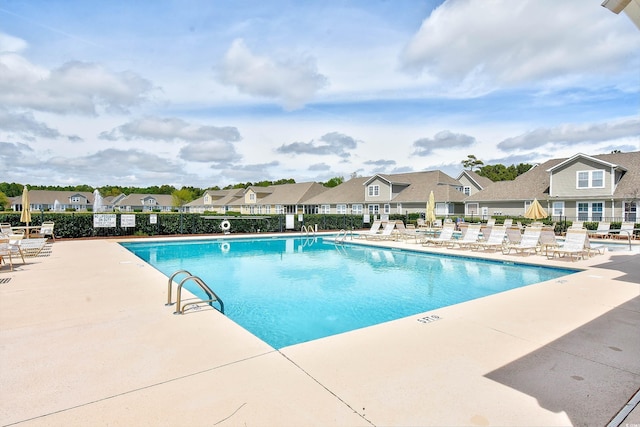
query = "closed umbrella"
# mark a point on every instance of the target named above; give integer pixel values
(430, 215)
(535, 211)
(25, 215)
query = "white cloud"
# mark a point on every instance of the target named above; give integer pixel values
(75, 87)
(10, 43)
(442, 140)
(170, 129)
(291, 82)
(488, 43)
(209, 151)
(332, 143)
(25, 125)
(571, 134)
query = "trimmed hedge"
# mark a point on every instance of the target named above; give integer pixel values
(80, 224)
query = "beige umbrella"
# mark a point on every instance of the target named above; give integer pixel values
(25, 215)
(535, 211)
(430, 215)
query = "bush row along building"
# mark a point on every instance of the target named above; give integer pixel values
(582, 187)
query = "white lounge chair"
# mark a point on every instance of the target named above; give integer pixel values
(470, 237)
(46, 230)
(548, 240)
(603, 230)
(32, 247)
(9, 250)
(527, 244)
(495, 240)
(626, 231)
(445, 237)
(405, 233)
(514, 236)
(375, 229)
(573, 245)
(387, 232)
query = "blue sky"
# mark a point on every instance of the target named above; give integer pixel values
(205, 92)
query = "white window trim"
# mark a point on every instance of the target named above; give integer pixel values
(468, 211)
(466, 190)
(387, 208)
(590, 210)
(590, 174)
(341, 208)
(373, 190)
(357, 209)
(325, 209)
(553, 208)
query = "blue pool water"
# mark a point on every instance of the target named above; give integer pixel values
(295, 289)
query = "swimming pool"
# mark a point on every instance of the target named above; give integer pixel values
(295, 289)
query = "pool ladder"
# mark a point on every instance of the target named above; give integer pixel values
(207, 290)
(308, 230)
(342, 236)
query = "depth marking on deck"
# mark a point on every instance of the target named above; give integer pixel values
(429, 319)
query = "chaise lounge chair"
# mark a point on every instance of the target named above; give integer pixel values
(32, 247)
(603, 230)
(574, 245)
(445, 237)
(528, 243)
(470, 238)
(9, 250)
(375, 229)
(495, 240)
(387, 232)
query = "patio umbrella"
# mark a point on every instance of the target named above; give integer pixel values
(25, 215)
(535, 211)
(430, 215)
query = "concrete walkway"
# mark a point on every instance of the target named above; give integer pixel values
(85, 339)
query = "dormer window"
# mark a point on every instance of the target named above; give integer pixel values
(590, 179)
(374, 190)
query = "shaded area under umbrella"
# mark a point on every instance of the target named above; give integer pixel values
(536, 211)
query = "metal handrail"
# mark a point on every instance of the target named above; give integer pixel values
(207, 290)
(171, 282)
(212, 295)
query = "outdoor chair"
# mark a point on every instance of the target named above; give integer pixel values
(573, 246)
(527, 244)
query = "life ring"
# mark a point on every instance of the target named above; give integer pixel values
(225, 246)
(225, 225)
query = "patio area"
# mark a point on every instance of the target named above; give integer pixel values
(85, 339)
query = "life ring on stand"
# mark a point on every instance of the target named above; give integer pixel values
(225, 225)
(224, 247)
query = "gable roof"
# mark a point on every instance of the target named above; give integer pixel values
(596, 159)
(418, 185)
(535, 182)
(292, 194)
(135, 199)
(479, 180)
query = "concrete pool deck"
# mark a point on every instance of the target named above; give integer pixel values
(85, 339)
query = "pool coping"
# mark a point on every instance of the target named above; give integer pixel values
(85, 337)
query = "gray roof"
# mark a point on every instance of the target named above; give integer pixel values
(418, 186)
(482, 181)
(292, 194)
(535, 182)
(49, 197)
(135, 199)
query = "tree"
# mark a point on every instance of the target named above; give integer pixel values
(181, 197)
(471, 162)
(4, 201)
(499, 172)
(334, 182)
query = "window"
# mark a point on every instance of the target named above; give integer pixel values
(325, 209)
(590, 211)
(356, 209)
(341, 209)
(399, 208)
(467, 191)
(267, 209)
(527, 205)
(75, 199)
(630, 211)
(387, 208)
(472, 209)
(558, 209)
(590, 179)
(279, 209)
(374, 209)
(374, 190)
